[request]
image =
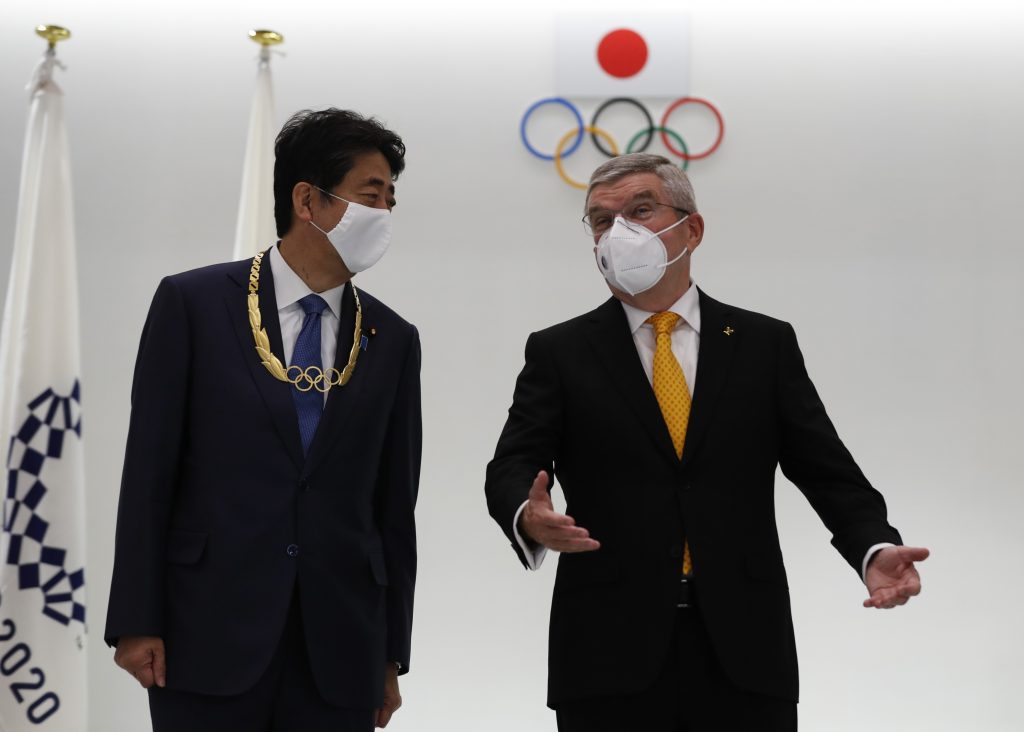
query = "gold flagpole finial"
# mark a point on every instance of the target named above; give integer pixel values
(266, 37)
(53, 34)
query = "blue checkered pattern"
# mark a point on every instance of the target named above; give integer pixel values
(52, 420)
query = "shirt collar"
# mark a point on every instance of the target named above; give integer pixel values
(289, 287)
(687, 308)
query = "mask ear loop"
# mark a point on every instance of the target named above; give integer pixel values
(332, 196)
(669, 264)
(686, 250)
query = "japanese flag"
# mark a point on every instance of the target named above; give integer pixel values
(622, 54)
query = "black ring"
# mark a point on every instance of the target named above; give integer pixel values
(627, 100)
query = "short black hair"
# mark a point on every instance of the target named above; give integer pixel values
(320, 148)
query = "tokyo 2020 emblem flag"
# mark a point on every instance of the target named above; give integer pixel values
(42, 542)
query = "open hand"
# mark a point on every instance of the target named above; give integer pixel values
(891, 577)
(542, 524)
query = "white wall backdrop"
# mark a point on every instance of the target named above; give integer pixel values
(869, 190)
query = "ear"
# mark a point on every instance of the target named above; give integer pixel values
(302, 201)
(694, 230)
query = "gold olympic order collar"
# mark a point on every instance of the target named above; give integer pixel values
(311, 377)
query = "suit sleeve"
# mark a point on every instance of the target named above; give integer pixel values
(397, 490)
(151, 464)
(529, 441)
(814, 458)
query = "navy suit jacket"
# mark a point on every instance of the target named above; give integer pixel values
(221, 517)
(584, 409)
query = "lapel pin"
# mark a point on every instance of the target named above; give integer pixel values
(364, 341)
(728, 330)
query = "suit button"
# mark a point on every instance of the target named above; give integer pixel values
(292, 550)
(303, 485)
(675, 551)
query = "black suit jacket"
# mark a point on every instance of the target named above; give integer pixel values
(584, 409)
(220, 515)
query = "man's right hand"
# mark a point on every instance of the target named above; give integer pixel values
(142, 657)
(543, 525)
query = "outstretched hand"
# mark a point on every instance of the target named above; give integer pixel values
(891, 577)
(543, 525)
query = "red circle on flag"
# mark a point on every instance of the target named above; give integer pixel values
(622, 53)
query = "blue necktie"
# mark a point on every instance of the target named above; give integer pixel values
(308, 404)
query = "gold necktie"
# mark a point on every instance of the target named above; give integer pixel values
(672, 393)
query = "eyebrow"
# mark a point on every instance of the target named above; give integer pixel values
(380, 182)
(638, 197)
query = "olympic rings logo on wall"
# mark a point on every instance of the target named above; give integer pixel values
(571, 141)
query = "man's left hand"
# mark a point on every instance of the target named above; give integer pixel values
(392, 697)
(891, 577)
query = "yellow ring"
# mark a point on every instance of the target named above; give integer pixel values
(317, 375)
(564, 140)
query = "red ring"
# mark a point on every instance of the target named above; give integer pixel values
(694, 100)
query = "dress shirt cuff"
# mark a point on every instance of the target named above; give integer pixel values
(534, 556)
(867, 558)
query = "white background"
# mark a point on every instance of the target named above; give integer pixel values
(869, 190)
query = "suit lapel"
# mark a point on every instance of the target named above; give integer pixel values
(342, 399)
(611, 339)
(718, 341)
(276, 394)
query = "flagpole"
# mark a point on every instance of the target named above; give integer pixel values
(255, 229)
(53, 34)
(266, 38)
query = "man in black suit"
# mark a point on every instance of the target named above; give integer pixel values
(266, 552)
(671, 609)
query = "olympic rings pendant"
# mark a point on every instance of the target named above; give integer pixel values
(313, 377)
(303, 379)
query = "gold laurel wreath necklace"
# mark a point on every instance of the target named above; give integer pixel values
(311, 377)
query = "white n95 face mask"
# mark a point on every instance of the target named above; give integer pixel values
(632, 257)
(362, 236)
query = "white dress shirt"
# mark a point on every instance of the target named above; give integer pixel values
(289, 289)
(685, 347)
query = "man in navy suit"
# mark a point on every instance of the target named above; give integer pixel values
(671, 606)
(265, 556)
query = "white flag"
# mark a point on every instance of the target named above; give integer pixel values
(255, 230)
(624, 54)
(42, 544)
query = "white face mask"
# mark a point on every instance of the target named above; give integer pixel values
(632, 257)
(362, 236)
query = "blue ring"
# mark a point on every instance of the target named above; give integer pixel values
(552, 100)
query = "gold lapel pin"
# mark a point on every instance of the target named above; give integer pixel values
(728, 330)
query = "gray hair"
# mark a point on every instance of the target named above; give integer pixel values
(676, 183)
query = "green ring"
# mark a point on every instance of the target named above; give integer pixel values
(667, 131)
